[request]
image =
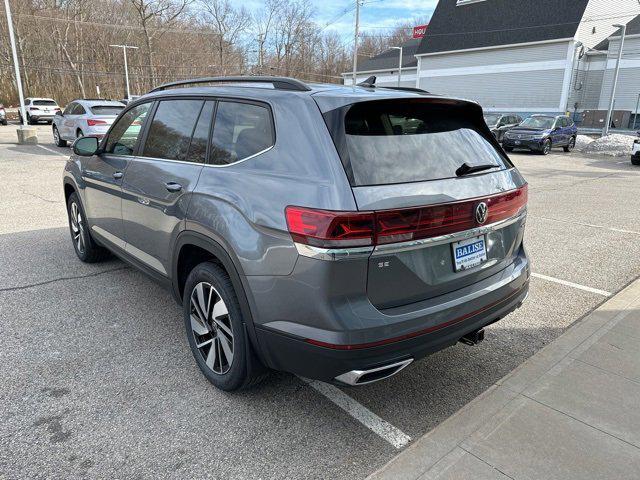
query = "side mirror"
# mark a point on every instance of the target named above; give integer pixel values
(59, 112)
(86, 146)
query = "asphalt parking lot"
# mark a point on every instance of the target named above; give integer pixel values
(96, 377)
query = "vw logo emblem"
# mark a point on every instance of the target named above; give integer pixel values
(482, 211)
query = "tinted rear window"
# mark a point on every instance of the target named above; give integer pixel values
(106, 109)
(47, 103)
(401, 142)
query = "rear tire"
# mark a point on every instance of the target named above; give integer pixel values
(4, 122)
(635, 160)
(56, 138)
(508, 149)
(30, 120)
(546, 147)
(571, 146)
(216, 329)
(86, 249)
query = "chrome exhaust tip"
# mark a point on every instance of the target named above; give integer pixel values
(362, 377)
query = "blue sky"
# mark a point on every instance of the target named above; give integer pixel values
(373, 14)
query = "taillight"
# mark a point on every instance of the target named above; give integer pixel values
(93, 123)
(329, 229)
(322, 228)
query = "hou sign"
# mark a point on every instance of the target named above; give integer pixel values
(420, 31)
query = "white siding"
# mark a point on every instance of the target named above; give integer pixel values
(629, 82)
(528, 53)
(525, 78)
(602, 15)
(518, 91)
(586, 83)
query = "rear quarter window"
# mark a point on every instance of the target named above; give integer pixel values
(106, 109)
(400, 141)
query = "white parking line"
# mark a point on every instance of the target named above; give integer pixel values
(571, 284)
(361, 413)
(602, 227)
(52, 151)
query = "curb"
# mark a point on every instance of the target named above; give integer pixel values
(439, 448)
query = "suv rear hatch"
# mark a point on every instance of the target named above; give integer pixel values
(427, 167)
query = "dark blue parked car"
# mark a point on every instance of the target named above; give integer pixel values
(541, 133)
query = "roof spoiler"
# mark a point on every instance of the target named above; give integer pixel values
(279, 83)
(370, 82)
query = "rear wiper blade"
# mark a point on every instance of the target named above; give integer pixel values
(467, 169)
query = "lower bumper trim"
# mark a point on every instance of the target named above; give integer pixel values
(362, 377)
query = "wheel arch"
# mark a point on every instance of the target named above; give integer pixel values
(69, 188)
(192, 248)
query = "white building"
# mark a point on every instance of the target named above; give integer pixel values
(526, 56)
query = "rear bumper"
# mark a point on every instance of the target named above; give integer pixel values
(433, 328)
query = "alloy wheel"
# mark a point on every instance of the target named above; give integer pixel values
(546, 147)
(77, 227)
(56, 136)
(211, 328)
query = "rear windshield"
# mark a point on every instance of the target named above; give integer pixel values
(401, 141)
(106, 109)
(48, 103)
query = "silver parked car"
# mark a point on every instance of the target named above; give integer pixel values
(3, 115)
(84, 117)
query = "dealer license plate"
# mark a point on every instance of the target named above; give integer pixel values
(469, 253)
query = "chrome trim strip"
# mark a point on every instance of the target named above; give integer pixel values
(333, 254)
(352, 377)
(109, 236)
(452, 237)
(202, 164)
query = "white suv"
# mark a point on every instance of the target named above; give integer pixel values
(40, 110)
(635, 153)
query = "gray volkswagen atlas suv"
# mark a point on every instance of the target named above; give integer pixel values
(338, 233)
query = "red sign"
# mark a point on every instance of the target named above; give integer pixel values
(420, 31)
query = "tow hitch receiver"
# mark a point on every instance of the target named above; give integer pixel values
(473, 338)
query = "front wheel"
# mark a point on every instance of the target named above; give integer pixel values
(215, 329)
(86, 249)
(57, 139)
(546, 147)
(571, 146)
(4, 122)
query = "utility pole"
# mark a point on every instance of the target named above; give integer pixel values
(14, 52)
(605, 131)
(126, 65)
(261, 39)
(399, 64)
(355, 42)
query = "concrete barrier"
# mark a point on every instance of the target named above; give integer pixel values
(27, 136)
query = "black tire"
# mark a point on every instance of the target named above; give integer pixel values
(30, 120)
(546, 147)
(635, 160)
(571, 146)
(86, 249)
(56, 138)
(508, 149)
(79, 134)
(244, 369)
(5, 123)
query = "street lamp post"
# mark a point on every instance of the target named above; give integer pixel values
(615, 80)
(399, 64)
(126, 66)
(14, 53)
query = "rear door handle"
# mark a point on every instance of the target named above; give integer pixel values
(117, 175)
(173, 186)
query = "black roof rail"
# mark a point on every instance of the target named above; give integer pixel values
(279, 83)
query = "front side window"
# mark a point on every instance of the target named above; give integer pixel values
(69, 109)
(398, 142)
(171, 129)
(240, 131)
(124, 134)
(78, 110)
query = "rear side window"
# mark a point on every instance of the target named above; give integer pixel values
(106, 109)
(78, 110)
(398, 141)
(198, 146)
(241, 130)
(171, 129)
